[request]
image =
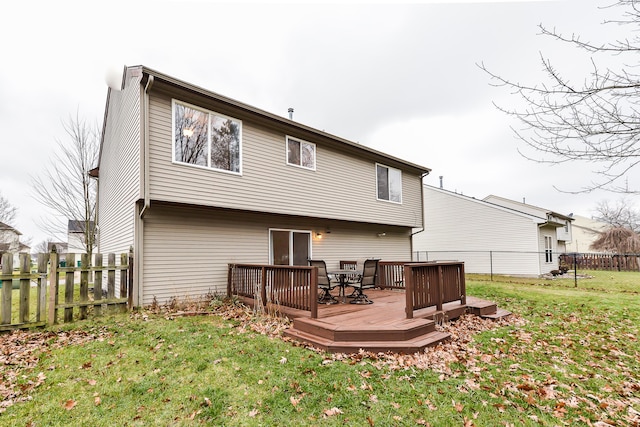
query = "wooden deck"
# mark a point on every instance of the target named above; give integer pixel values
(381, 326)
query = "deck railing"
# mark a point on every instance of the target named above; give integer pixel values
(288, 286)
(433, 284)
(427, 284)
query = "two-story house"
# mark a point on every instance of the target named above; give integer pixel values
(491, 235)
(193, 181)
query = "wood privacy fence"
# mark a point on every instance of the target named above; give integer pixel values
(593, 261)
(35, 296)
(426, 284)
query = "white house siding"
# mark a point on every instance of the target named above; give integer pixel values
(486, 237)
(188, 249)
(343, 186)
(119, 185)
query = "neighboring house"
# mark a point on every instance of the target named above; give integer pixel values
(488, 237)
(10, 242)
(76, 236)
(585, 232)
(194, 181)
(556, 231)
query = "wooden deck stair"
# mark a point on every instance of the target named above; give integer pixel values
(382, 326)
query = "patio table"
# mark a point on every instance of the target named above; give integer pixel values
(344, 277)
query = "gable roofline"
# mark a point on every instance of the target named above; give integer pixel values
(7, 227)
(547, 211)
(535, 219)
(274, 118)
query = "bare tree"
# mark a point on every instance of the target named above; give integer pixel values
(65, 185)
(618, 240)
(594, 121)
(622, 214)
(43, 246)
(7, 211)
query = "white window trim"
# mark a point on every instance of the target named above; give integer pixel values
(376, 174)
(301, 141)
(204, 110)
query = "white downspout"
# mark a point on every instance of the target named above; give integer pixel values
(139, 252)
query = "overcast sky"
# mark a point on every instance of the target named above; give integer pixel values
(402, 79)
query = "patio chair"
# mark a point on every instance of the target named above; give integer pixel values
(367, 281)
(324, 282)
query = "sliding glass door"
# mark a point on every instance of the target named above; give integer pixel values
(289, 247)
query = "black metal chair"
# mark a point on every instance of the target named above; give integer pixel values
(367, 281)
(324, 282)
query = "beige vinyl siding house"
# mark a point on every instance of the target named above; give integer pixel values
(558, 226)
(195, 181)
(584, 232)
(486, 236)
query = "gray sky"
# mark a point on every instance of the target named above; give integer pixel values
(400, 78)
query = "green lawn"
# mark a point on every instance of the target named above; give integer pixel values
(570, 356)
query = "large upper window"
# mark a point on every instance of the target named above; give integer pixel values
(389, 183)
(301, 153)
(204, 138)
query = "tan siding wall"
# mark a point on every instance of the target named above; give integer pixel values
(119, 183)
(465, 229)
(187, 249)
(343, 186)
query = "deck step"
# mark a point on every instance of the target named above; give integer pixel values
(499, 314)
(481, 308)
(399, 330)
(407, 346)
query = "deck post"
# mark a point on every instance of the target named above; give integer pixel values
(313, 292)
(263, 287)
(408, 284)
(463, 286)
(440, 289)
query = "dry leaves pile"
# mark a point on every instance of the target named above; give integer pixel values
(20, 352)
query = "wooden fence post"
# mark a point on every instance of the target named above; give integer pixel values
(7, 287)
(130, 288)
(84, 284)
(111, 279)
(263, 289)
(43, 260)
(25, 288)
(97, 285)
(124, 284)
(53, 287)
(68, 286)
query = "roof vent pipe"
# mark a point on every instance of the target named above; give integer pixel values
(290, 113)
(440, 181)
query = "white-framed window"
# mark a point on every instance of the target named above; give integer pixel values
(206, 139)
(548, 249)
(289, 247)
(389, 183)
(301, 153)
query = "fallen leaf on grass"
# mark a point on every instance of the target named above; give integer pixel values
(331, 412)
(253, 413)
(70, 404)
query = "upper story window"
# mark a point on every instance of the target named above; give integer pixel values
(389, 183)
(207, 139)
(301, 153)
